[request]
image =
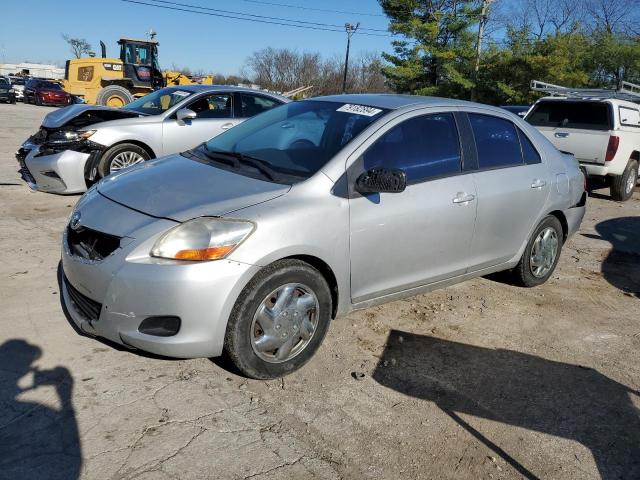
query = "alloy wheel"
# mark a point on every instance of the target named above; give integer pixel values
(124, 160)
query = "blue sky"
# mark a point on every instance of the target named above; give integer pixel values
(31, 30)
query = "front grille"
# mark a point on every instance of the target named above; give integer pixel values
(87, 307)
(91, 244)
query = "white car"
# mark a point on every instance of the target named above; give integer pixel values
(17, 83)
(603, 134)
(78, 145)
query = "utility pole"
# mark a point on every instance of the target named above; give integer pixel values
(482, 23)
(350, 29)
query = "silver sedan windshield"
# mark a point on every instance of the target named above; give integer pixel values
(159, 101)
(297, 138)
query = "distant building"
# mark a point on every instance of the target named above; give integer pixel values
(32, 69)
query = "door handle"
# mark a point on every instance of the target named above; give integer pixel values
(463, 198)
(226, 126)
(537, 183)
(561, 134)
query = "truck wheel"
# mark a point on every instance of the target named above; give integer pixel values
(279, 320)
(541, 256)
(114, 96)
(121, 156)
(622, 186)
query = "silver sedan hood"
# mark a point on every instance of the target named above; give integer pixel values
(89, 113)
(180, 189)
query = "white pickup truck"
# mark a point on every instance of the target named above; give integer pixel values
(602, 133)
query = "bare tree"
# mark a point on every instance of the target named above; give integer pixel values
(78, 46)
(544, 17)
(613, 16)
(284, 69)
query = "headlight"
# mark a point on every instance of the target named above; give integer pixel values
(69, 136)
(201, 239)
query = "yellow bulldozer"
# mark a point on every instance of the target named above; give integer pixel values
(118, 81)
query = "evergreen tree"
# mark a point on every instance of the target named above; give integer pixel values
(436, 57)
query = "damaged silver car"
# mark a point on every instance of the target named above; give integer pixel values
(78, 145)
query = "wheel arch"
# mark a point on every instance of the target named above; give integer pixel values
(327, 273)
(94, 161)
(635, 155)
(563, 221)
(140, 144)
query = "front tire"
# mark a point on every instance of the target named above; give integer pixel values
(541, 256)
(279, 320)
(622, 186)
(121, 156)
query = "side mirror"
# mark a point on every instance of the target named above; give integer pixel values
(381, 180)
(184, 114)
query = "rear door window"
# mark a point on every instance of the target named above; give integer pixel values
(497, 141)
(423, 147)
(254, 104)
(567, 114)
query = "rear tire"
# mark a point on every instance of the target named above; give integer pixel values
(37, 100)
(529, 272)
(114, 95)
(119, 153)
(248, 342)
(622, 186)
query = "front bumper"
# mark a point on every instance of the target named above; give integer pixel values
(61, 172)
(55, 101)
(129, 286)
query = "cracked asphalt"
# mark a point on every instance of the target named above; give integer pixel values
(480, 380)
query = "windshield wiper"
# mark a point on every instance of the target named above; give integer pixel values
(257, 163)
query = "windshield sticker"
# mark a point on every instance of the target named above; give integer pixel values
(181, 93)
(359, 109)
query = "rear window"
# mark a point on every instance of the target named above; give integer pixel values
(583, 115)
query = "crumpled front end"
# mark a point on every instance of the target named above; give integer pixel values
(56, 170)
(57, 161)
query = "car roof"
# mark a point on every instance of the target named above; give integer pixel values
(197, 88)
(396, 102)
(616, 101)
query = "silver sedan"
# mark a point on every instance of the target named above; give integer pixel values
(254, 241)
(80, 144)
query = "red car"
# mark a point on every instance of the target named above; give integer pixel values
(45, 92)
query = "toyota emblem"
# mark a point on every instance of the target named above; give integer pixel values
(74, 223)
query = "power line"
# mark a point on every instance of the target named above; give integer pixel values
(300, 7)
(174, 7)
(280, 19)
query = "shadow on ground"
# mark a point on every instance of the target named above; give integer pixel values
(621, 267)
(36, 440)
(560, 399)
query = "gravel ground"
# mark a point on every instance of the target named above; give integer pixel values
(480, 380)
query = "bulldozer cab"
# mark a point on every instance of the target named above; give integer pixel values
(140, 60)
